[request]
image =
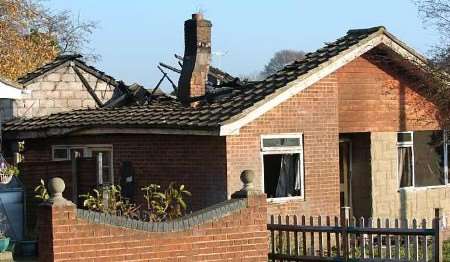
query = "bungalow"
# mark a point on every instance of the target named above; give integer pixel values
(351, 124)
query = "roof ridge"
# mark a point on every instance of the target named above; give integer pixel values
(366, 30)
(62, 59)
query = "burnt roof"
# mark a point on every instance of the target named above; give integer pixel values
(211, 111)
(63, 59)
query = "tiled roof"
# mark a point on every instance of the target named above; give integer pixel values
(211, 111)
(219, 74)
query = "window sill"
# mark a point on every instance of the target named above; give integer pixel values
(422, 188)
(280, 200)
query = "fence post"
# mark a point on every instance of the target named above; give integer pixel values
(345, 216)
(438, 236)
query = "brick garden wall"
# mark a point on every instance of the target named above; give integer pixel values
(234, 230)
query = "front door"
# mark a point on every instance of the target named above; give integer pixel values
(345, 172)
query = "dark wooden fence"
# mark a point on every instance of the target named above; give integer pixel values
(295, 238)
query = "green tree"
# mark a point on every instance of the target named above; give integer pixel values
(32, 35)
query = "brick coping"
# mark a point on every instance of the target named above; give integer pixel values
(184, 223)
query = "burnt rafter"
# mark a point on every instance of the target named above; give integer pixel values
(165, 75)
(176, 70)
(87, 86)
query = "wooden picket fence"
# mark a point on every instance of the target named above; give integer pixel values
(344, 239)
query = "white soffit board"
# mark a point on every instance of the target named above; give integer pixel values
(232, 126)
(10, 92)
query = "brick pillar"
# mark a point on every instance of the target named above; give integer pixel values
(53, 215)
(257, 203)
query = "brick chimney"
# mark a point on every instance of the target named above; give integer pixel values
(197, 56)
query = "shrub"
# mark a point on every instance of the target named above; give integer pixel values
(41, 191)
(165, 205)
(161, 205)
(108, 199)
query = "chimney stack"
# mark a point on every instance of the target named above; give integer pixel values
(196, 60)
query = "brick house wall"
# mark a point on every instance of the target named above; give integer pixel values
(375, 98)
(312, 112)
(235, 230)
(58, 91)
(196, 161)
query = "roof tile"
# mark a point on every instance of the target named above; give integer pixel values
(210, 113)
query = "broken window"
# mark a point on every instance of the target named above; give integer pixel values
(283, 165)
(422, 158)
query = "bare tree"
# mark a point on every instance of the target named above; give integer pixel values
(436, 72)
(436, 13)
(31, 35)
(280, 59)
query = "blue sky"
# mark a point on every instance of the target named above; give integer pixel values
(133, 36)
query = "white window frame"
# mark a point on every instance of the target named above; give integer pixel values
(58, 158)
(280, 151)
(87, 152)
(111, 168)
(409, 144)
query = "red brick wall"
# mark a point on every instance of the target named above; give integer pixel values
(196, 161)
(238, 236)
(312, 112)
(376, 98)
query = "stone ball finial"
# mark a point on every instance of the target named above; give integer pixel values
(247, 177)
(56, 186)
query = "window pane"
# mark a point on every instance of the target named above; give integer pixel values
(278, 142)
(428, 158)
(60, 153)
(404, 137)
(405, 167)
(106, 176)
(282, 175)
